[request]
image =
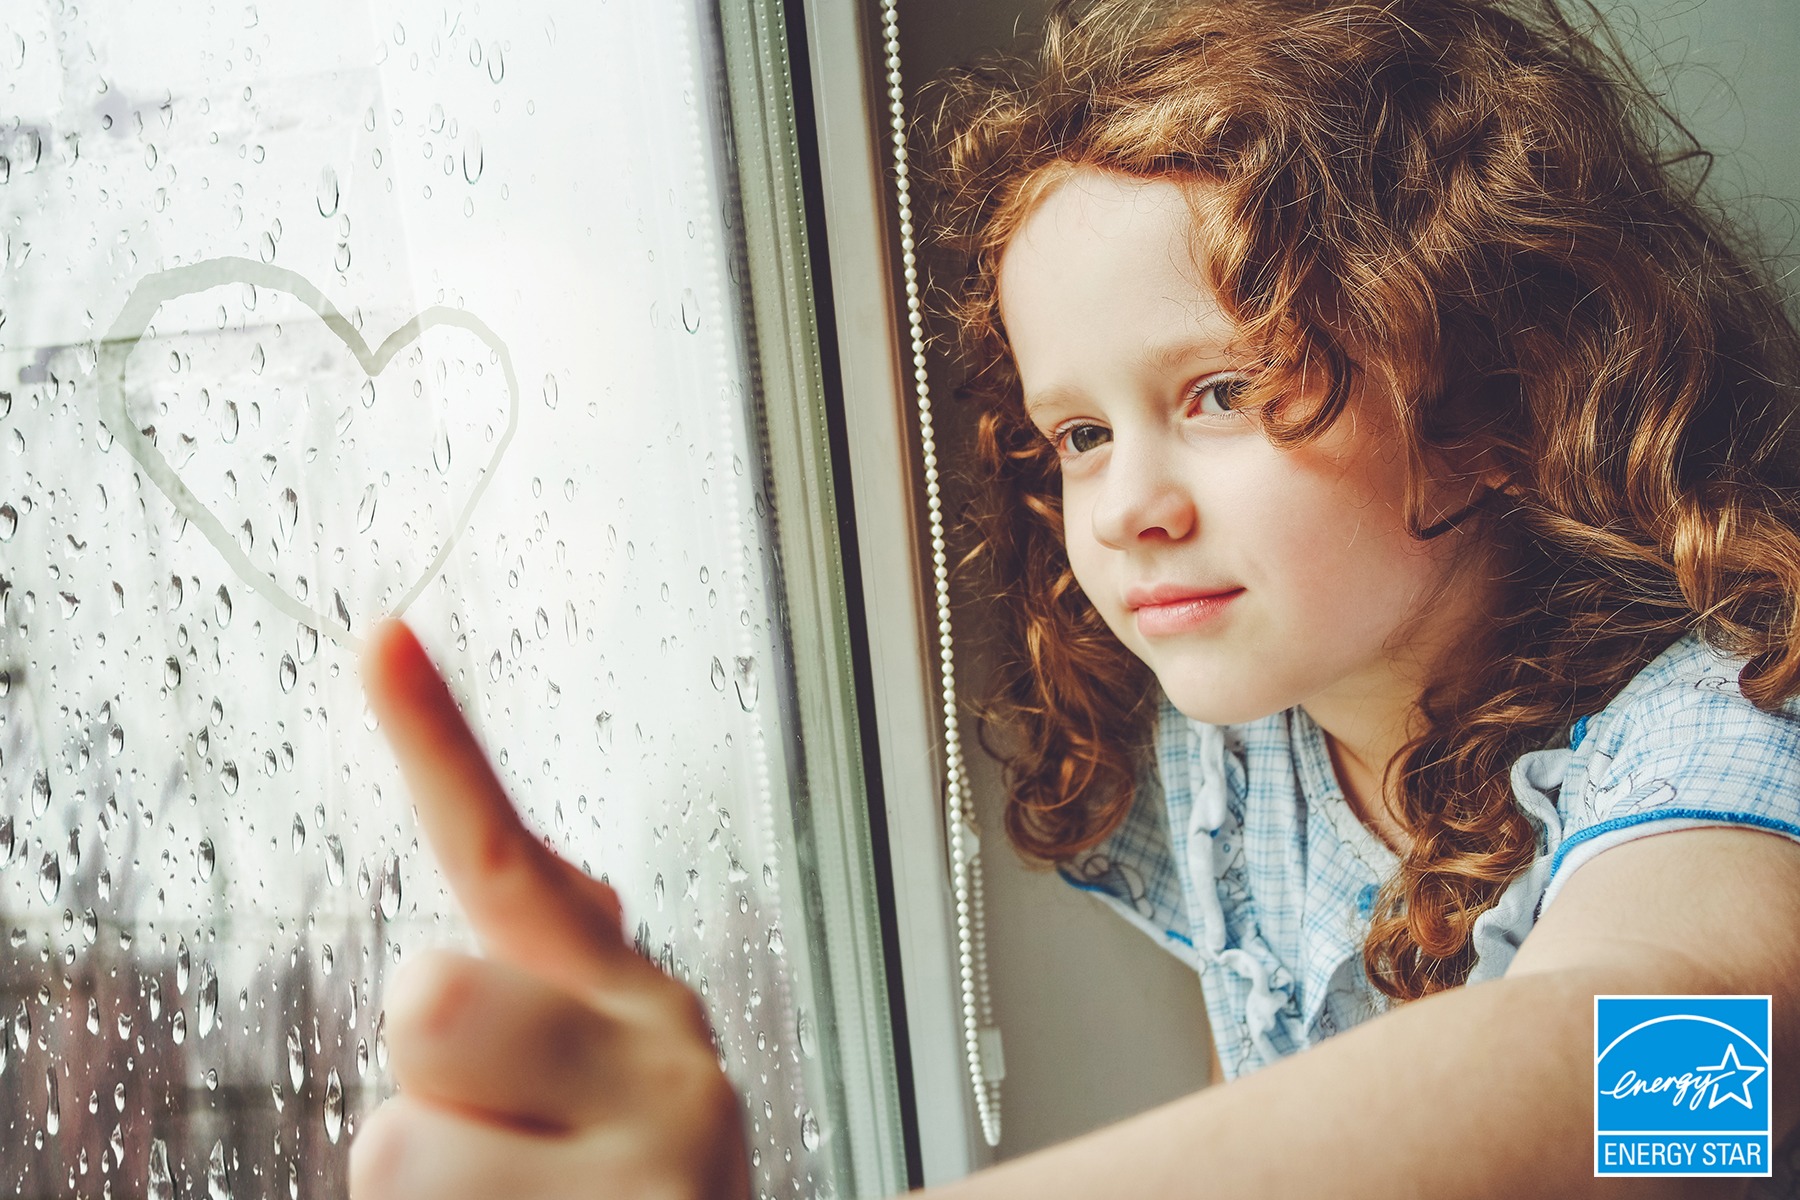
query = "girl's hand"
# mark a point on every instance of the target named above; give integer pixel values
(563, 1063)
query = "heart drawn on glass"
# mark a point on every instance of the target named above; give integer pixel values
(156, 290)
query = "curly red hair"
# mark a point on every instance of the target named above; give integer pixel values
(1477, 205)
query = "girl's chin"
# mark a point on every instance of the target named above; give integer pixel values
(1224, 703)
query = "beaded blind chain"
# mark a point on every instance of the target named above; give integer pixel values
(981, 1038)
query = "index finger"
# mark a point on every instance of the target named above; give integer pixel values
(529, 906)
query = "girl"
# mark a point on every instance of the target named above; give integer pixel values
(1384, 432)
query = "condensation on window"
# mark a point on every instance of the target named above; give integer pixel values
(308, 314)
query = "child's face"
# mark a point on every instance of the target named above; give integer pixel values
(1124, 356)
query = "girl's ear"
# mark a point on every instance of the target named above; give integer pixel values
(1499, 480)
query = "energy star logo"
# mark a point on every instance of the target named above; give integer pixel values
(1681, 1085)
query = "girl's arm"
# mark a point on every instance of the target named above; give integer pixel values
(1484, 1090)
(565, 1064)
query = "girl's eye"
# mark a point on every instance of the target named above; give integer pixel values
(1073, 440)
(1221, 392)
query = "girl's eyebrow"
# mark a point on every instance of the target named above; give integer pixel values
(1049, 397)
(1166, 357)
(1185, 350)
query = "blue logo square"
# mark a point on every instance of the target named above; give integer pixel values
(1681, 1085)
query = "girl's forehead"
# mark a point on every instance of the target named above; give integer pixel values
(1101, 247)
(1100, 285)
(1090, 202)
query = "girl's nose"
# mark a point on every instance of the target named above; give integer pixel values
(1143, 496)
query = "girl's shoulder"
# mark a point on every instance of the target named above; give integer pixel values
(1689, 686)
(1680, 746)
(1685, 709)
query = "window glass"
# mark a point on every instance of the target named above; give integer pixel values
(312, 313)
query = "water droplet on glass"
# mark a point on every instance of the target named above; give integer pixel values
(496, 62)
(809, 1130)
(40, 793)
(71, 604)
(334, 859)
(178, 1026)
(718, 674)
(287, 513)
(390, 888)
(516, 643)
(115, 740)
(334, 1106)
(328, 192)
(368, 393)
(551, 391)
(296, 1057)
(494, 666)
(9, 522)
(472, 158)
(161, 1187)
(246, 538)
(338, 610)
(206, 1004)
(6, 841)
(53, 1106)
(222, 607)
(440, 452)
(690, 310)
(603, 731)
(806, 1033)
(184, 966)
(341, 259)
(747, 686)
(228, 778)
(50, 878)
(204, 859)
(218, 1180)
(288, 673)
(381, 1046)
(297, 839)
(365, 510)
(776, 946)
(171, 672)
(307, 643)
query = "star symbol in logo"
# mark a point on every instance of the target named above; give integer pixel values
(1727, 1067)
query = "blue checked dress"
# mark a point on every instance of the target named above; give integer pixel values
(1242, 856)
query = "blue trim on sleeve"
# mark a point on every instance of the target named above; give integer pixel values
(1084, 886)
(1725, 816)
(1579, 732)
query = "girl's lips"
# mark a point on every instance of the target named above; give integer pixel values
(1180, 616)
